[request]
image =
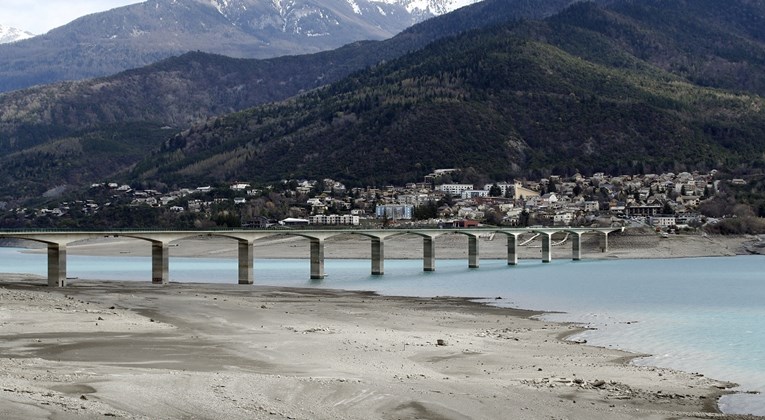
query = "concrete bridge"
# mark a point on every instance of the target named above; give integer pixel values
(57, 242)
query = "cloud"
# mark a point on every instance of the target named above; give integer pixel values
(40, 16)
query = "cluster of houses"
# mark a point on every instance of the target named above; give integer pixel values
(661, 200)
(665, 200)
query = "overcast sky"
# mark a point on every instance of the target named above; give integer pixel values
(40, 16)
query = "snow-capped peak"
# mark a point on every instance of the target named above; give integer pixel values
(420, 9)
(9, 34)
(433, 7)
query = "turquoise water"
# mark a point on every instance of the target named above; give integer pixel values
(699, 315)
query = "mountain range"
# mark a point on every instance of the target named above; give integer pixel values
(9, 34)
(119, 119)
(623, 86)
(137, 35)
(520, 99)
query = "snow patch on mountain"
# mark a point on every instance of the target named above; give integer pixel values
(220, 5)
(433, 7)
(355, 7)
(9, 34)
(236, 10)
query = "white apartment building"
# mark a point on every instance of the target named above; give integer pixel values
(454, 189)
(563, 219)
(334, 219)
(415, 199)
(662, 221)
(503, 186)
(474, 194)
(591, 206)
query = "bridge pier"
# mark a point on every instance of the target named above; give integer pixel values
(428, 254)
(378, 256)
(576, 246)
(160, 262)
(317, 259)
(546, 247)
(246, 261)
(512, 249)
(604, 242)
(56, 265)
(473, 256)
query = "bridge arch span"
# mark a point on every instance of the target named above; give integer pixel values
(57, 242)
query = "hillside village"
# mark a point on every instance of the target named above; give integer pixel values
(664, 201)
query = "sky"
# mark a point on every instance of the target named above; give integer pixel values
(40, 16)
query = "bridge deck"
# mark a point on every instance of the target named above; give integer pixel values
(57, 242)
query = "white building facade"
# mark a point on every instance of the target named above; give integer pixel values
(454, 189)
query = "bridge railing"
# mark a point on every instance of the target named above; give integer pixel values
(317, 228)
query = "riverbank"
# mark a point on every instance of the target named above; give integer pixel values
(133, 350)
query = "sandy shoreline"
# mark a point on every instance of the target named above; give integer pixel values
(132, 350)
(135, 350)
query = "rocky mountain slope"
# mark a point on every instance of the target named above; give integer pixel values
(193, 86)
(140, 34)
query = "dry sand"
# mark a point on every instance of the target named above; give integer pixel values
(134, 350)
(129, 350)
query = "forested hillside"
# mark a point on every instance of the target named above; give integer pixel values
(518, 99)
(179, 91)
(708, 42)
(632, 86)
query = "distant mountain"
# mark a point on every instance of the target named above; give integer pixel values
(140, 34)
(180, 90)
(83, 123)
(9, 34)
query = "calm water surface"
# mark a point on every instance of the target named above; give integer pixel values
(698, 315)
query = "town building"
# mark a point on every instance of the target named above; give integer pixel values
(522, 193)
(645, 210)
(468, 194)
(335, 219)
(395, 211)
(454, 189)
(662, 220)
